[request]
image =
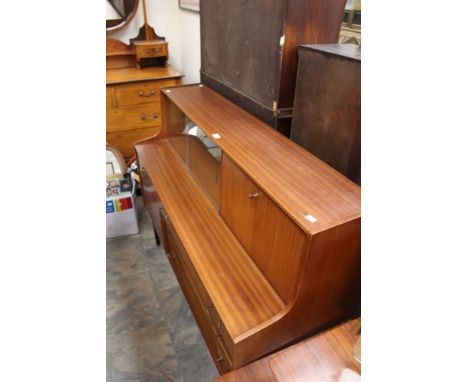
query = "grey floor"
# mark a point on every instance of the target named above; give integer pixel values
(151, 333)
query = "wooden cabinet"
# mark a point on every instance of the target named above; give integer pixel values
(133, 104)
(327, 109)
(248, 49)
(263, 236)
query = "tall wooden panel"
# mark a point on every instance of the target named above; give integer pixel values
(327, 108)
(248, 49)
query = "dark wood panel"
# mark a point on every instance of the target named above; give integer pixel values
(248, 49)
(327, 110)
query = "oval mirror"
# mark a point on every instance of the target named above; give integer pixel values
(119, 13)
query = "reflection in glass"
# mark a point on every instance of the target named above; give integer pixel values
(350, 32)
(202, 158)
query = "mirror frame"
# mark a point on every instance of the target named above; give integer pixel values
(124, 23)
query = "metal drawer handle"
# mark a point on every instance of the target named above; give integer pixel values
(220, 357)
(141, 93)
(143, 117)
(254, 195)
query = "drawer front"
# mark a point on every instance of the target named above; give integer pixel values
(133, 117)
(220, 332)
(140, 92)
(124, 140)
(222, 360)
(217, 352)
(110, 101)
(157, 50)
(212, 321)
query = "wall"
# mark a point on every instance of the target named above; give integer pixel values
(180, 28)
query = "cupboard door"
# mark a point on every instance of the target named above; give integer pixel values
(237, 203)
(278, 247)
(274, 242)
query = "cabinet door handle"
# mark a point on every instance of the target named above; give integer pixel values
(143, 117)
(254, 195)
(141, 93)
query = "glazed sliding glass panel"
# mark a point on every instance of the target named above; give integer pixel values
(201, 156)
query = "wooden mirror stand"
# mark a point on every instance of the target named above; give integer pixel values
(146, 49)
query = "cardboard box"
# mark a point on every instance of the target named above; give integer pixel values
(121, 216)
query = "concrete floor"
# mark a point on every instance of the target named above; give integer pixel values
(151, 333)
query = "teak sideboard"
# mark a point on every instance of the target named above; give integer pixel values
(133, 105)
(263, 237)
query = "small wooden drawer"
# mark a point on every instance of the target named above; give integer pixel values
(124, 140)
(140, 92)
(110, 101)
(133, 117)
(148, 49)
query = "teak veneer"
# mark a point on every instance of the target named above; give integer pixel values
(264, 238)
(321, 358)
(133, 104)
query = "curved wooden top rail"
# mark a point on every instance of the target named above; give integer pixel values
(312, 193)
(239, 290)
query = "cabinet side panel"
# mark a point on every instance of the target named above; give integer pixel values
(328, 293)
(327, 113)
(307, 22)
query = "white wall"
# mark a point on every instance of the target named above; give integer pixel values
(181, 30)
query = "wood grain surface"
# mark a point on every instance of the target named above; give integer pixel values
(239, 291)
(114, 76)
(327, 110)
(280, 259)
(321, 358)
(303, 185)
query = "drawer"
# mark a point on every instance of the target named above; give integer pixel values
(133, 117)
(222, 360)
(220, 331)
(153, 50)
(190, 270)
(110, 101)
(140, 92)
(186, 283)
(124, 140)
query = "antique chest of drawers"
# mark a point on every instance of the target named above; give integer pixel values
(263, 237)
(133, 104)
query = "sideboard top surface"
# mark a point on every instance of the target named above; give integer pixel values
(311, 192)
(123, 75)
